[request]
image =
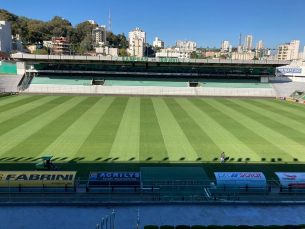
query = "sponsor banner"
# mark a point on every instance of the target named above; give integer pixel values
(289, 70)
(114, 178)
(241, 179)
(293, 180)
(37, 178)
(117, 176)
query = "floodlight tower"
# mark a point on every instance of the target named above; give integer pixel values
(109, 20)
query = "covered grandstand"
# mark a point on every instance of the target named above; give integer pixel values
(147, 76)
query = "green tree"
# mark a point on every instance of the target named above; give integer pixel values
(11, 18)
(123, 52)
(58, 27)
(194, 55)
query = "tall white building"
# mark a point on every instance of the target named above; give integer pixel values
(289, 51)
(99, 34)
(157, 43)
(225, 45)
(248, 43)
(137, 39)
(186, 45)
(260, 45)
(5, 36)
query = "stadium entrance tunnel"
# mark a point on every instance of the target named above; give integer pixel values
(98, 82)
(194, 84)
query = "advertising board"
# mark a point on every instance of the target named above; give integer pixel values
(37, 178)
(291, 180)
(241, 179)
(114, 178)
(289, 70)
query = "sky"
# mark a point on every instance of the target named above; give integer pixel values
(206, 22)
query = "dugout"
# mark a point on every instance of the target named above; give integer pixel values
(120, 182)
(240, 182)
(174, 183)
(291, 182)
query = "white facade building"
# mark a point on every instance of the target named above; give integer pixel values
(289, 51)
(243, 56)
(260, 45)
(107, 51)
(92, 22)
(225, 45)
(173, 53)
(248, 43)
(186, 45)
(5, 36)
(157, 43)
(99, 34)
(137, 39)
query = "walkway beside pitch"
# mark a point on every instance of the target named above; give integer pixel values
(50, 217)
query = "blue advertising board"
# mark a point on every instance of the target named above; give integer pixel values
(289, 70)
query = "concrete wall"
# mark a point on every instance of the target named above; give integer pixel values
(264, 79)
(8, 67)
(20, 68)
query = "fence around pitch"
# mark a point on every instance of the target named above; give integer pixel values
(148, 191)
(140, 90)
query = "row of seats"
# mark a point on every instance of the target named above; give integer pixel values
(123, 68)
(300, 226)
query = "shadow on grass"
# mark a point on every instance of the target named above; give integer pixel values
(83, 168)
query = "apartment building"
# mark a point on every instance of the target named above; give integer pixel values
(289, 51)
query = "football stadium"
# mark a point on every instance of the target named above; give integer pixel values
(148, 130)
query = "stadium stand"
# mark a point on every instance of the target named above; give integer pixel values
(61, 80)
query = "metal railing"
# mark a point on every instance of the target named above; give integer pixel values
(156, 191)
(139, 59)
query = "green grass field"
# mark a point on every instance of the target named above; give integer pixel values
(124, 133)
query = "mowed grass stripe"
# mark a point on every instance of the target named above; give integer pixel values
(289, 112)
(20, 110)
(211, 122)
(14, 137)
(200, 141)
(99, 142)
(11, 99)
(293, 107)
(152, 146)
(126, 145)
(79, 132)
(176, 142)
(40, 140)
(69, 142)
(19, 120)
(282, 124)
(18, 103)
(289, 149)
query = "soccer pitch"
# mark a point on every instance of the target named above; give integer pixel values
(94, 133)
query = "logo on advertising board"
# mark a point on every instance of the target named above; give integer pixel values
(226, 175)
(115, 176)
(93, 176)
(289, 177)
(29, 178)
(240, 175)
(252, 175)
(289, 70)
